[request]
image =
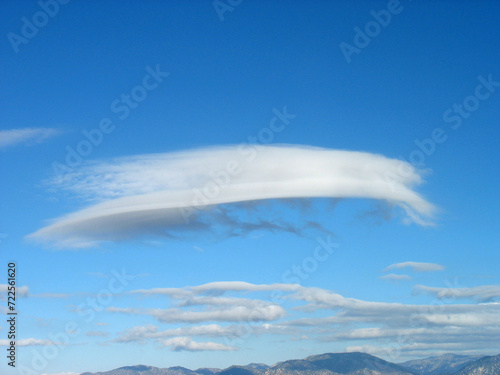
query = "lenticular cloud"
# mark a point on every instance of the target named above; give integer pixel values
(163, 194)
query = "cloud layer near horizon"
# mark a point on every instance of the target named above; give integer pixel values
(164, 194)
(306, 313)
(221, 316)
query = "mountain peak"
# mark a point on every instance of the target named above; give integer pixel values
(136, 368)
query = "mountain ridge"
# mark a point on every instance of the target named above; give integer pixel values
(487, 365)
(352, 363)
(446, 364)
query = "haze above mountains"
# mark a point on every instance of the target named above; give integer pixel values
(337, 363)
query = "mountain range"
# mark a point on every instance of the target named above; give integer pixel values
(336, 364)
(446, 364)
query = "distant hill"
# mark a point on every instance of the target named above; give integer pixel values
(259, 366)
(337, 364)
(207, 371)
(484, 366)
(445, 364)
(145, 370)
(241, 370)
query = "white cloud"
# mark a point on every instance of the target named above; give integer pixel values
(171, 292)
(319, 314)
(141, 333)
(185, 343)
(397, 352)
(223, 302)
(96, 333)
(395, 277)
(27, 135)
(21, 291)
(214, 306)
(395, 315)
(219, 287)
(29, 342)
(330, 317)
(267, 312)
(349, 310)
(481, 293)
(198, 190)
(416, 266)
(424, 335)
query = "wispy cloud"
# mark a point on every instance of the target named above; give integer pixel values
(419, 350)
(235, 309)
(416, 266)
(329, 317)
(216, 190)
(187, 344)
(141, 333)
(261, 312)
(30, 342)
(232, 331)
(480, 293)
(394, 277)
(97, 334)
(220, 287)
(15, 137)
(21, 291)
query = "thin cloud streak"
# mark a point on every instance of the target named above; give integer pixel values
(15, 137)
(21, 291)
(416, 266)
(186, 344)
(199, 191)
(395, 277)
(482, 293)
(347, 319)
(141, 333)
(264, 312)
(30, 342)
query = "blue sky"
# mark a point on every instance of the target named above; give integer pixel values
(208, 84)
